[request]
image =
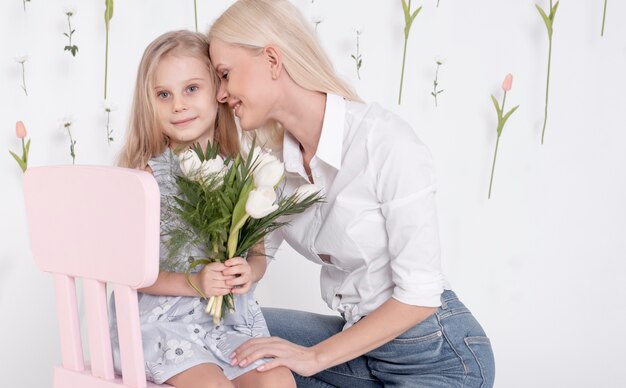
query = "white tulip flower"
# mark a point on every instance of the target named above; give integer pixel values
(269, 174)
(212, 168)
(189, 163)
(261, 202)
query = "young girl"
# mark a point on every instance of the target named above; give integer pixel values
(397, 323)
(174, 107)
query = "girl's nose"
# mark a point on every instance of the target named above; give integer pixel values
(179, 105)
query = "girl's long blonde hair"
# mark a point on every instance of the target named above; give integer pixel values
(253, 24)
(145, 138)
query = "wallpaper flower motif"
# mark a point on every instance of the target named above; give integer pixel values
(108, 108)
(108, 15)
(357, 57)
(72, 48)
(436, 90)
(408, 22)
(506, 86)
(603, 18)
(20, 132)
(22, 60)
(548, 21)
(66, 128)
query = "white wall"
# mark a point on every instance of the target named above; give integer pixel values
(542, 264)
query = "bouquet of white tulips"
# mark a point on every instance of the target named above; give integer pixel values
(230, 205)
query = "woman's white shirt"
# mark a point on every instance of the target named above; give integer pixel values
(376, 234)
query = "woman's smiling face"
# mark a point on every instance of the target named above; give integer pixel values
(246, 83)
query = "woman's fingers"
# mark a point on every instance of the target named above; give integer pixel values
(258, 348)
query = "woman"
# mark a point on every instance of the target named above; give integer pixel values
(375, 237)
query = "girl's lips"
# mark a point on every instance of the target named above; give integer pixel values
(184, 122)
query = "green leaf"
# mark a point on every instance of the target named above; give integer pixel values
(553, 11)
(546, 20)
(19, 161)
(409, 24)
(497, 106)
(405, 9)
(417, 11)
(509, 113)
(108, 12)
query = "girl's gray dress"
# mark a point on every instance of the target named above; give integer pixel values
(177, 333)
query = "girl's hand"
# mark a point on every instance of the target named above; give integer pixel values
(239, 273)
(299, 359)
(212, 281)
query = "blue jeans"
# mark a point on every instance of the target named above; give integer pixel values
(449, 349)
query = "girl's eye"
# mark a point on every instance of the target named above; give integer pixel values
(225, 75)
(192, 88)
(163, 95)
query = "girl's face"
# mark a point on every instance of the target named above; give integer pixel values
(246, 83)
(184, 97)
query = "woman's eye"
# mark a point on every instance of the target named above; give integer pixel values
(163, 94)
(225, 75)
(192, 88)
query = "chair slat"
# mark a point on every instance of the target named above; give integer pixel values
(129, 332)
(69, 325)
(98, 328)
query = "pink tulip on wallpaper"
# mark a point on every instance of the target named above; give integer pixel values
(508, 81)
(20, 130)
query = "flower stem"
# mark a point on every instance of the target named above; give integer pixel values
(545, 117)
(108, 131)
(195, 14)
(24, 78)
(493, 167)
(69, 23)
(406, 40)
(24, 153)
(358, 55)
(603, 18)
(106, 65)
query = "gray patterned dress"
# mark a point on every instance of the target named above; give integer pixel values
(177, 334)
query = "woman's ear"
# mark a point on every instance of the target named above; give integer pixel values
(274, 59)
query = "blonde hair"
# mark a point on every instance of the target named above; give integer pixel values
(253, 24)
(145, 138)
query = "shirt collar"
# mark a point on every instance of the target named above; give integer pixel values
(330, 146)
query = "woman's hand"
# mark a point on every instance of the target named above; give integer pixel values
(299, 359)
(212, 281)
(239, 273)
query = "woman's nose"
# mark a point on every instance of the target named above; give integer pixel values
(222, 94)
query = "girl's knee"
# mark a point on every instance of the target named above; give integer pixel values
(280, 377)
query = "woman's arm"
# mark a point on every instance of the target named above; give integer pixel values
(385, 323)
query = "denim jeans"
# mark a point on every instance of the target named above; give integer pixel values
(449, 349)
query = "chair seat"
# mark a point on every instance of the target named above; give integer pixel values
(64, 377)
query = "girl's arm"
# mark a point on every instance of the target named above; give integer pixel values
(385, 323)
(210, 280)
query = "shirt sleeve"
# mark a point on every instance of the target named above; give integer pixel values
(272, 242)
(405, 187)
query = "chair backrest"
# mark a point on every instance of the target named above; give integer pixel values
(100, 224)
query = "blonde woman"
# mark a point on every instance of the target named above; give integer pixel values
(397, 322)
(174, 107)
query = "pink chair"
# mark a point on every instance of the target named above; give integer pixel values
(100, 224)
